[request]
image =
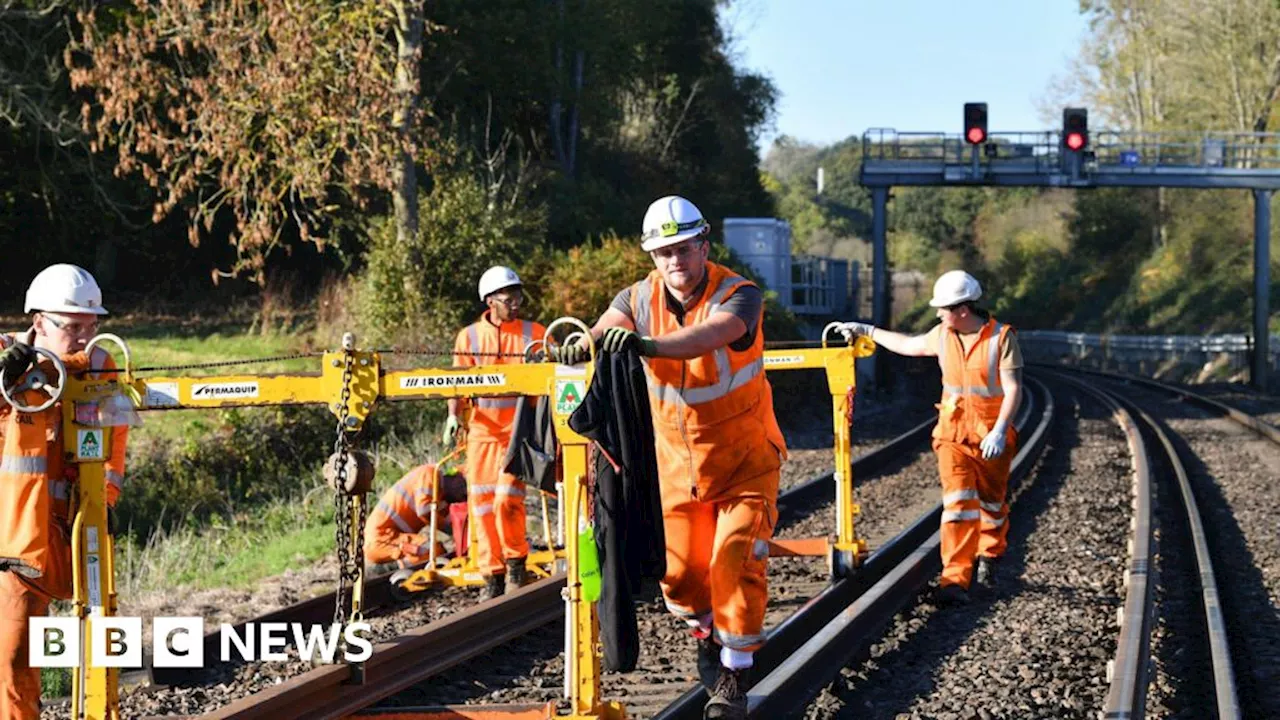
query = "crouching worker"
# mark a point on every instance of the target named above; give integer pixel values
(399, 527)
(35, 513)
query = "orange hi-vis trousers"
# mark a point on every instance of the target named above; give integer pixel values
(975, 509)
(19, 682)
(497, 504)
(717, 555)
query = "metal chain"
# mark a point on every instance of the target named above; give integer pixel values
(341, 501)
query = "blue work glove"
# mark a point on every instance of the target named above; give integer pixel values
(450, 431)
(851, 330)
(570, 354)
(993, 444)
(17, 358)
(619, 339)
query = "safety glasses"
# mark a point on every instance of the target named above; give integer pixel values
(72, 327)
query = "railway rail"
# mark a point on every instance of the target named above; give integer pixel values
(823, 626)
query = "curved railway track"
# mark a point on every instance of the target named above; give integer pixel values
(1167, 597)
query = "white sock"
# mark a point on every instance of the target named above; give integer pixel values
(736, 659)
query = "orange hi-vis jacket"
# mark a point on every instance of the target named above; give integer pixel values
(713, 414)
(402, 512)
(971, 387)
(37, 487)
(483, 343)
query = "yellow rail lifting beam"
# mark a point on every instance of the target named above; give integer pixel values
(95, 689)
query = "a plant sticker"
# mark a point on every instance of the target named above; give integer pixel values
(569, 395)
(89, 444)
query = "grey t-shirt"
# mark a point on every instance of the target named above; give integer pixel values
(745, 303)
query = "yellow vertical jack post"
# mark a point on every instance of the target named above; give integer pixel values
(87, 421)
(843, 548)
(582, 650)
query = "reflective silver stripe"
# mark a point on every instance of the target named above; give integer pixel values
(483, 489)
(404, 494)
(728, 285)
(991, 507)
(395, 517)
(423, 508)
(59, 489)
(760, 549)
(509, 491)
(959, 515)
(992, 521)
(473, 334)
(504, 403)
(641, 301)
(485, 509)
(23, 464)
(993, 363)
(115, 478)
(527, 335)
(730, 640)
(98, 359)
(727, 383)
(959, 496)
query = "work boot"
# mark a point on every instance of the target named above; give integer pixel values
(951, 595)
(729, 696)
(517, 574)
(708, 660)
(985, 574)
(493, 586)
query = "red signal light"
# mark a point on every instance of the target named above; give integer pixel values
(1074, 141)
(976, 135)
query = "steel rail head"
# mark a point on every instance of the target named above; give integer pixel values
(1128, 672)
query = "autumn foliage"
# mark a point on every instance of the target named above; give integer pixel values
(266, 112)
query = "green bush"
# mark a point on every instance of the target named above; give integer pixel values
(412, 293)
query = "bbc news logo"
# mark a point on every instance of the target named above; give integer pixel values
(178, 642)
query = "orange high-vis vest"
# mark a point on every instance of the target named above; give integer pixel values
(483, 343)
(971, 387)
(403, 508)
(35, 490)
(713, 414)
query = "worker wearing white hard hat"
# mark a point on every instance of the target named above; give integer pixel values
(974, 438)
(497, 337)
(65, 306)
(697, 326)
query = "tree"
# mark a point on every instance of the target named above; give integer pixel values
(272, 113)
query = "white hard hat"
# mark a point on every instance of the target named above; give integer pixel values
(496, 278)
(670, 220)
(955, 287)
(65, 288)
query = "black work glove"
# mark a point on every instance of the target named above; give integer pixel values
(620, 339)
(570, 354)
(17, 358)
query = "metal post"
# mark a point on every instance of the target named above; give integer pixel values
(879, 276)
(879, 263)
(1261, 287)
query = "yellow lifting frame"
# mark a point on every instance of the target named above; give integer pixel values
(95, 689)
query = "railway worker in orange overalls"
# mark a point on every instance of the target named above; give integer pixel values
(35, 488)
(497, 498)
(718, 445)
(974, 439)
(397, 530)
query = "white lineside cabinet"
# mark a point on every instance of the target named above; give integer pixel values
(765, 245)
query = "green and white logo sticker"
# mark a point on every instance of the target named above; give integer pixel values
(569, 395)
(89, 444)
